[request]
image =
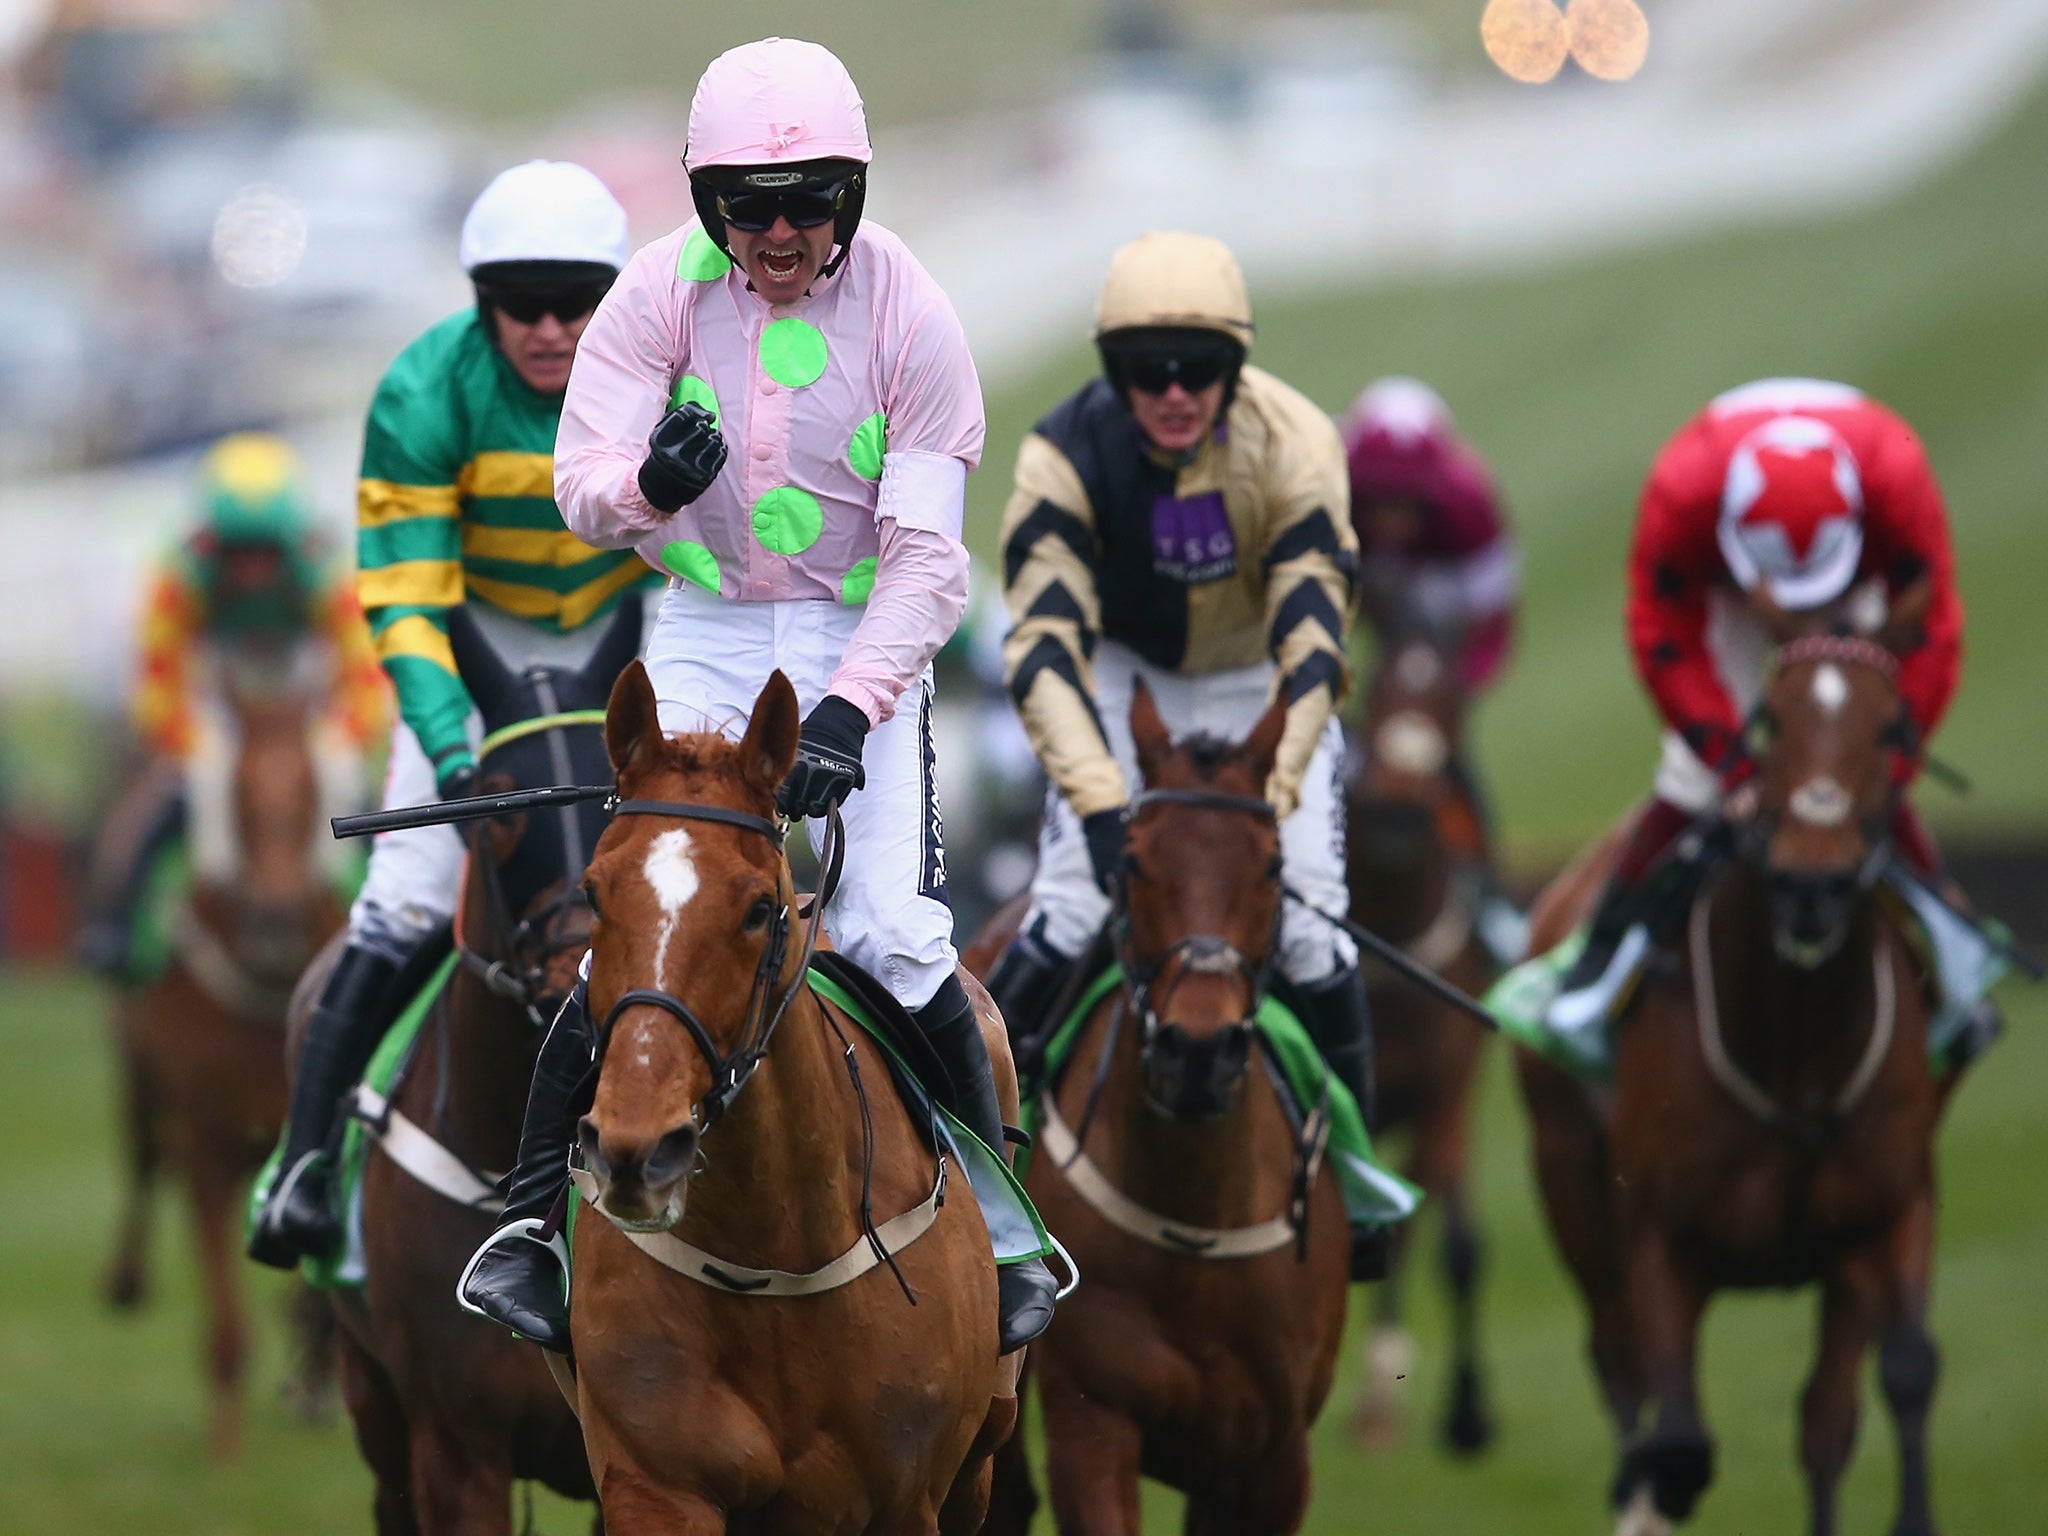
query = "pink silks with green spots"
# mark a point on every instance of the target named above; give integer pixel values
(851, 418)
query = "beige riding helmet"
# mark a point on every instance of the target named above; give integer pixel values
(1170, 278)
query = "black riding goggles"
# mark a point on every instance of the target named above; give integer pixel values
(527, 305)
(1155, 373)
(805, 207)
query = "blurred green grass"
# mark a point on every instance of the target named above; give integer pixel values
(1571, 378)
(101, 1417)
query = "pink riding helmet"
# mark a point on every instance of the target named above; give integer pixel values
(776, 101)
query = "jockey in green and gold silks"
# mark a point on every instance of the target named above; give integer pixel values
(456, 504)
(455, 507)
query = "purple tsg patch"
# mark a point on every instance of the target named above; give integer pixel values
(1191, 539)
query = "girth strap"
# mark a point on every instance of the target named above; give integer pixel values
(688, 1260)
(414, 1150)
(1056, 1141)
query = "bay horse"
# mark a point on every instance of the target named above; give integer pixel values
(448, 1409)
(751, 1389)
(1202, 1343)
(200, 1059)
(1773, 1109)
(1417, 860)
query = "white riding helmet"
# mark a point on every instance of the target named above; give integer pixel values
(545, 210)
(1792, 512)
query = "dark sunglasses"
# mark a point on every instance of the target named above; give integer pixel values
(1154, 372)
(527, 305)
(804, 207)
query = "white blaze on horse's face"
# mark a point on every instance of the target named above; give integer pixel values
(670, 870)
(1418, 668)
(1830, 688)
(1408, 741)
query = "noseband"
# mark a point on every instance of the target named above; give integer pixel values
(730, 1071)
(1200, 953)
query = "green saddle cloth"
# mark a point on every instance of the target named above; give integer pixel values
(1374, 1195)
(347, 1265)
(1014, 1229)
(1967, 960)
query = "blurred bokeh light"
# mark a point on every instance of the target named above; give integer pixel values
(259, 238)
(1526, 38)
(1609, 38)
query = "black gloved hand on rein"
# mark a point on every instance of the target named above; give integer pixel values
(827, 767)
(685, 452)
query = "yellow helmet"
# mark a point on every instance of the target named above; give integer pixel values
(1171, 280)
(252, 488)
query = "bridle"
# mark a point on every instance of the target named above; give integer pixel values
(1753, 837)
(1199, 953)
(534, 939)
(731, 1070)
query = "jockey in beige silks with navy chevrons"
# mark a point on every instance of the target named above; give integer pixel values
(1184, 520)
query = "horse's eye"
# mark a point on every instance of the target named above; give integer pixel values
(759, 913)
(590, 895)
(1273, 867)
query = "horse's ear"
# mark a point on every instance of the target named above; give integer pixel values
(1148, 731)
(632, 721)
(490, 682)
(769, 746)
(1262, 747)
(619, 644)
(1905, 621)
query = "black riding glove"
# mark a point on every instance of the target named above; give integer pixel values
(684, 455)
(827, 767)
(1105, 833)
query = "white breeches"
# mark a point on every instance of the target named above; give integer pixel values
(1064, 895)
(709, 658)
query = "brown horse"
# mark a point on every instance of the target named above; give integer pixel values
(202, 1077)
(738, 1112)
(1416, 857)
(1202, 1341)
(448, 1409)
(1773, 1108)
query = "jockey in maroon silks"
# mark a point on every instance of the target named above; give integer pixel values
(1435, 555)
(1813, 494)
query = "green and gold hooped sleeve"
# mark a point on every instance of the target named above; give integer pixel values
(1050, 553)
(409, 560)
(1310, 563)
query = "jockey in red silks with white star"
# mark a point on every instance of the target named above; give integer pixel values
(1814, 494)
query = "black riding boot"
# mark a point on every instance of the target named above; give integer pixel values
(1026, 1290)
(106, 944)
(1026, 982)
(1339, 1021)
(298, 1219)
(519, 1276)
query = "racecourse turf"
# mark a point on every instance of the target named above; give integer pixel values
(101, 1425)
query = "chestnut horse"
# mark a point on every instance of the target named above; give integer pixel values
(738, 1112)
(1417, 858)
(1773, 1110)
(1203, 1371)
(449, 1410)
(201, 1066)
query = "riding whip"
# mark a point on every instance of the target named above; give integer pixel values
(1400, 961)
(469, 808)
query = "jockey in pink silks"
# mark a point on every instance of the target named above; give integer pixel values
(775, 406)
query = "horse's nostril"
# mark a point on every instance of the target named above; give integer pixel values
(592, 1146)
(671, 1158)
